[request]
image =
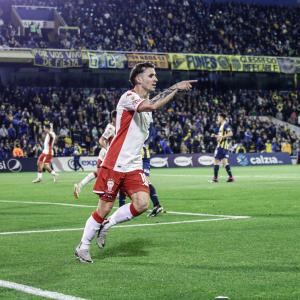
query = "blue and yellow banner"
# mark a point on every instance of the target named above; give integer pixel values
(205, 62)
(214, 62)
(174, 61)
(57, 58)
(247, 63)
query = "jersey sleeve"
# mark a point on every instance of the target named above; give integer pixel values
(52, 134)
(227, 128)
(108, 132)
(132, 101)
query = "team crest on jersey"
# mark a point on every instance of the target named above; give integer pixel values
(110, 184)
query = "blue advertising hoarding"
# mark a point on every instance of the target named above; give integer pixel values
(15, 165)
(235, 159)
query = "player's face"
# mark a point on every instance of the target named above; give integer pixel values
(219, 119)
(46, 129)
(148, 79)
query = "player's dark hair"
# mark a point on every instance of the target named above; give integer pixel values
(138, 69)
(47, 126)
(113, 114)
(223, 115)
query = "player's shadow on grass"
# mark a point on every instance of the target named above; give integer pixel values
(132, 247)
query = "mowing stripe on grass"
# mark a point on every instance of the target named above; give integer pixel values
(36, 291)
(93, 206)
(125, 226)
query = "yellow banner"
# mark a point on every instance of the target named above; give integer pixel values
(159, 60)
(205, 62)
(245, 63)
(213, 62)
(178, 61)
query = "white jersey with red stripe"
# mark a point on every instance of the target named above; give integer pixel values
(132, 129)
(109, 133)
(49, 142)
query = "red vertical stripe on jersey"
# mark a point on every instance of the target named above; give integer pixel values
(50, 145)
(117, 143)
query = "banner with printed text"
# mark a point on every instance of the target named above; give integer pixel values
(234, 63)
(246, 63)
(106, 60)
(197, 160)
(57, 58)
(205, 62)
(159, 60)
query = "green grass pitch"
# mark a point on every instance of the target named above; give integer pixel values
(189, 257)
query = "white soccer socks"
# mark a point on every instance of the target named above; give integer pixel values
(92, 225)
(122, 214)
(91, 176)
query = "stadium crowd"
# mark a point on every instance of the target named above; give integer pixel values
(164, 26)
(183, 126)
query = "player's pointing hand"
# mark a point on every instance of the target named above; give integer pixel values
(184, 85)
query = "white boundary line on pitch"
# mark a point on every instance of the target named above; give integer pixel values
(125, 226)
(216, 218)
(36, 291)
(93, 206)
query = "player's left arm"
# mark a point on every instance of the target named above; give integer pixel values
(51, 132)
(164, 97)
(104, 139)
(228, 132)
(103, 142)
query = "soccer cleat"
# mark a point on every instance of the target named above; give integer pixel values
(37, 180)
(156, 210)
(230, 179)
(83, 255)
(214, 180)
(76, 191)
(102, 232)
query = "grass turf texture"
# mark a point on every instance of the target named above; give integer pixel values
(257, 258)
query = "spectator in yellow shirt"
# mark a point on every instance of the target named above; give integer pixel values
(286, 147)
(268, 146)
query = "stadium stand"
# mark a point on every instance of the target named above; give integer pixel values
(196, 27)
(80, 115)
(184, 126)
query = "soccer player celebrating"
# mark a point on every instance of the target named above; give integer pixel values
(122, 166)
(221, 152)
(104, 141)
(44, 160)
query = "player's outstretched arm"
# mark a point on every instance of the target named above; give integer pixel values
(164, 97)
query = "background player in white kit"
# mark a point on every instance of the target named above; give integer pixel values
(122, 166)
(44, 160)
(104, 141)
